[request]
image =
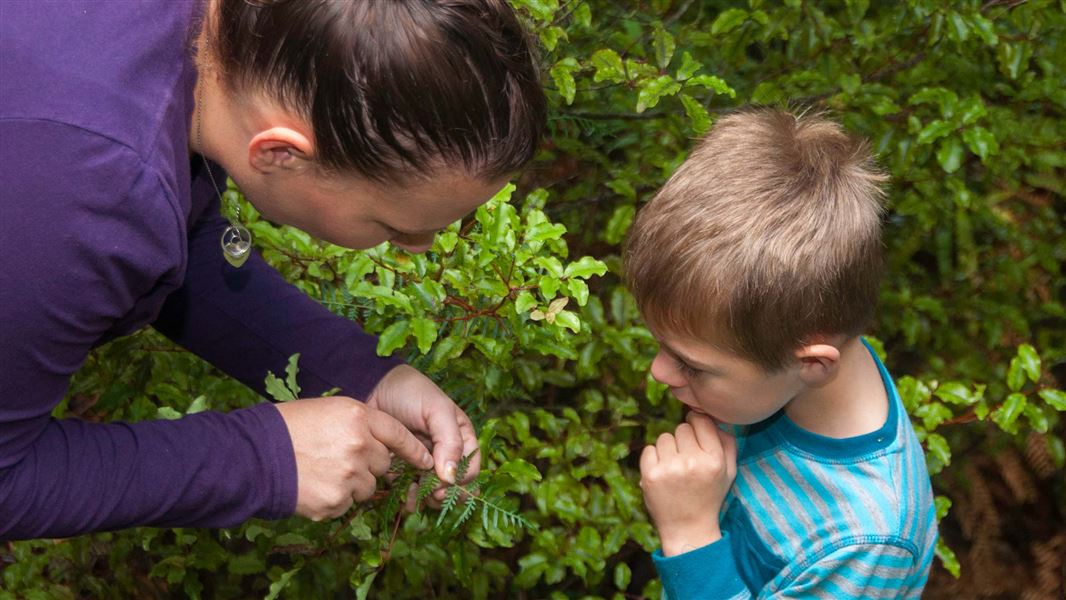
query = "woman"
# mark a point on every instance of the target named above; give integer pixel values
(358, 122)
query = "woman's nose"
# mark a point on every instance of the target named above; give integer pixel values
(665, 371)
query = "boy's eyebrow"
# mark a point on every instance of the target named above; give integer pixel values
(692, 363)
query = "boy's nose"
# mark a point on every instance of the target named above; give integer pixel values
(665, 371)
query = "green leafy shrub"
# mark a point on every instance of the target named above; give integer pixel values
(519, 314)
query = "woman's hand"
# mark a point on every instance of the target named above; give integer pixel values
(417, 402)
(341, 447)
(685, 478)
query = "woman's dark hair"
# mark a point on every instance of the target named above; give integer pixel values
(391, 87)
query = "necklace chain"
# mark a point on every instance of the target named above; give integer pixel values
(200, 145)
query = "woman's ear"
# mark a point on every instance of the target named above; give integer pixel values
(279, 149)
(819, 363)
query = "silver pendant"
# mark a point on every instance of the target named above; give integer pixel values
(236, 244)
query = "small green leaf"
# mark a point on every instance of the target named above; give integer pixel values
(981, 142)
(1013, 58)
(524, 302)
(394, 336)
(608, 66)
(688, 67)
(277, 388)
(934, 131)
(943, 505)
(585, 267)
(938, 449)
(446, 241)
(168, 413)
(1015, 375)
(198, 405)
(291, 370)
(985, 28)
(950, 154)
(1006, 416)
(548, 285)
(958, 29)
(448, 349)
(710, 82)
(562, 73)
(1038, 417)
(1030, 361)
(955, 393)
(622, 576)
(281, 584)
(728, 20)
(550, 36)
(425, 331)
(653, 90)
(697, 114)
(583, 15)
(579, 291)
(519, 470)
(619, 223)
(664, 46)
(569, 320)
(947, 558)
(1055, 398)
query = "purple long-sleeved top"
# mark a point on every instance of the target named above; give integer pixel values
(107, 224)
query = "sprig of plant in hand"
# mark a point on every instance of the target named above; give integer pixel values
(460, 499)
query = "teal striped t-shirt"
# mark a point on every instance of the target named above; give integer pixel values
(816, 517)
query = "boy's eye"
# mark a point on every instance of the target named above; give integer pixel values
(686, 370)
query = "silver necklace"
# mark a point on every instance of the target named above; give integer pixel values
(236, 239)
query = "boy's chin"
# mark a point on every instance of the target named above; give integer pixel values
(703, 413)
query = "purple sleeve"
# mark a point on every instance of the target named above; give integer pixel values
(249, 320)
(87, 232)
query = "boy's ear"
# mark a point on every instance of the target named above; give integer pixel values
(819, 362)
(279, 149)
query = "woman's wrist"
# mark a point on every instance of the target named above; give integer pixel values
(678, 539)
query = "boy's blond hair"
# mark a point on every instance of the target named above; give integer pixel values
(767, 236)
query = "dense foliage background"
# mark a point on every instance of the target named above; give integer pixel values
(518, 312)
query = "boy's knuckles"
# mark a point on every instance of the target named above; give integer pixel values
(664, 439)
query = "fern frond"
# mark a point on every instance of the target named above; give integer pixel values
(509, 517)
(397, 495)
(451, 498)
(468, 510)
(429, 483)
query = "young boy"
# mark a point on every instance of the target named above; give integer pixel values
(757, 267)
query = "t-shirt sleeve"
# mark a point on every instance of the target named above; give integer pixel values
(86, 231)
(248, 320)
(706, 573)
(860, 570)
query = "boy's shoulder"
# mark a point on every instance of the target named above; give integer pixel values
(799, 497)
